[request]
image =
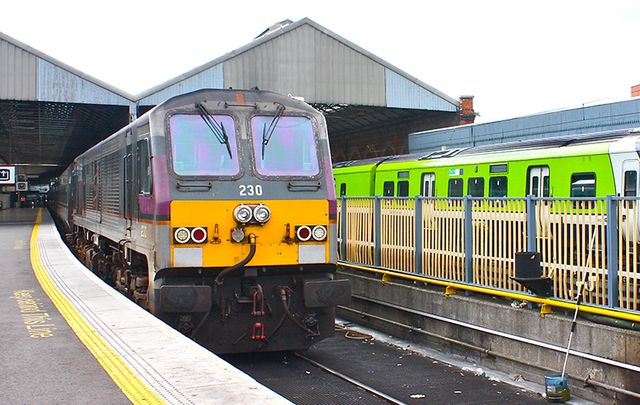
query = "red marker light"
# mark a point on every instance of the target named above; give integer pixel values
(303, 233)
(198, 234)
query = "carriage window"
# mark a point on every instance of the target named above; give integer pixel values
(500, 168)
(583, 185)
(498, 186)
(475, 187)
(284, 146)
(388, 189)
(455, 187)
(535, 184)
(198, 150)
(630, 183)
(343, 189)
(403, 188)
(545, 186)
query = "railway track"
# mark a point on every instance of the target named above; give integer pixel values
(340, 370)
(351, 380)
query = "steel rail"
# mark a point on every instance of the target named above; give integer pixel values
(352, 381)
(505, 335)
(491, 353)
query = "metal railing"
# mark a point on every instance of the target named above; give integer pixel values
(474, 241)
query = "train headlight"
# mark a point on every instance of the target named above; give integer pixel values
(303, 233)
(199, 234)
(319, 233)
(181, 235)
(262, 213)
(237, 235)
(242, 214)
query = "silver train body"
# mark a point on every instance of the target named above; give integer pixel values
(215, 211)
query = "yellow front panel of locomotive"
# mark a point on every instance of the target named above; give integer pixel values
(271, 247)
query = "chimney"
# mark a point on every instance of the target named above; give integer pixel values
(635, 90)
(467, 114)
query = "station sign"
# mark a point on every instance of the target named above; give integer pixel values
(22, 186)
(7, 175)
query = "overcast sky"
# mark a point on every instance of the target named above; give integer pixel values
(517, 58)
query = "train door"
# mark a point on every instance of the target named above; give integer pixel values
(428, 188)
(129, 184)
(630, 187)
(538, 181)
(538, 186)
(144, 179)
(73, 202)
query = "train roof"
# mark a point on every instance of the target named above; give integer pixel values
(547, 143)
(544, 143)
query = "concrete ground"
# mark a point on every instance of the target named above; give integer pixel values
(43, 362)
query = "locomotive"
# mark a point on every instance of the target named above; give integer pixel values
(216, 211)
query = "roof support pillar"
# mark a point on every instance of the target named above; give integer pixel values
(133, 112)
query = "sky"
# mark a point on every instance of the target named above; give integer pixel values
(515, 57)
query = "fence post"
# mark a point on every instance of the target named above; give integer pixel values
(531, 225)
(343, 228)
(468, 239)
(377, 231)
(612, 252)
(419, 233)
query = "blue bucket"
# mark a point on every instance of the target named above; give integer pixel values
(556, 388)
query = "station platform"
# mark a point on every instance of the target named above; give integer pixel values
(69, 338)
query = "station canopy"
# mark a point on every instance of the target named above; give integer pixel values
(51, 112)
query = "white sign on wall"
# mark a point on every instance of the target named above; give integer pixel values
(7, 175)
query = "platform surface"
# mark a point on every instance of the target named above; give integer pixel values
(69, 338)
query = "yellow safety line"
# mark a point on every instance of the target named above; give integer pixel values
(130, 384)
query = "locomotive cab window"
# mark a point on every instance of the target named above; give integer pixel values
(284, 145)
(203, 145)
(388, 187)
(455, 187)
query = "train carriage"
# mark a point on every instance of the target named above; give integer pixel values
(581, 184)
(216, 211)
(591, 165)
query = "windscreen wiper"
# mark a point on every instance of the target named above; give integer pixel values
(217, 129)
(268, 132)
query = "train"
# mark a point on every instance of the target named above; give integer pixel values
(216, 211)
(579, 166)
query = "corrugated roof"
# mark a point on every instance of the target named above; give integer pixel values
(445, 102)
(38, 54)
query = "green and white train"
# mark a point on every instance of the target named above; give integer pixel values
(591, 165)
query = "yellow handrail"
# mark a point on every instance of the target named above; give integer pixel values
(449, 286)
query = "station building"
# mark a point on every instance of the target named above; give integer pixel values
(51, 112)
(582, 120)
